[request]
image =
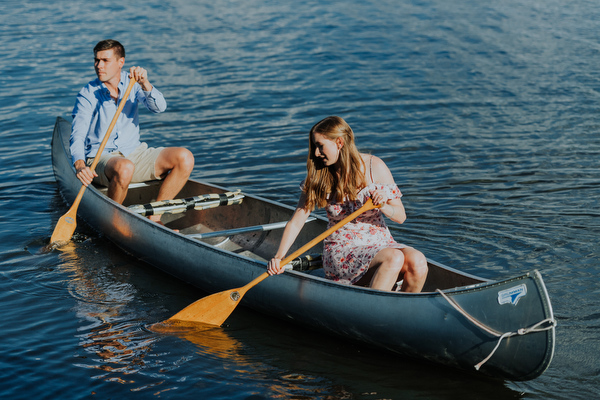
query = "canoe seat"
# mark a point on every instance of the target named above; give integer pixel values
(103, 189)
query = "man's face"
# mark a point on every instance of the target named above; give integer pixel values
(107, 65)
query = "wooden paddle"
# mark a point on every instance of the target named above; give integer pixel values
(216, 308)
(66, 224)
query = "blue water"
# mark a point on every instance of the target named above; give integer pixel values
(486, 113)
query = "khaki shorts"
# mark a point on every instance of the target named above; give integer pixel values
(143, 157)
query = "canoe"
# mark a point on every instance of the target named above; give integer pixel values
(501, 328)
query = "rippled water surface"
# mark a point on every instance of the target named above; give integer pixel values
(486, 113)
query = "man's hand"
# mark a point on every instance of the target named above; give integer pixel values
(84, 173)
(141, 76)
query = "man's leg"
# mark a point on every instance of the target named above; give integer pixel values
(119, 171)
(174, 165)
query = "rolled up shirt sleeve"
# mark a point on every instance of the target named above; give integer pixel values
(153, 100)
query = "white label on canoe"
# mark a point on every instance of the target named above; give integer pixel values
(512, 295)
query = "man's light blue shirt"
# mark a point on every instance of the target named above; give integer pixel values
(94, 110)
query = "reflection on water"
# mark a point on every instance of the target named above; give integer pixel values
(112, 343)
(251, 355)
(120, 350)
(208, 338)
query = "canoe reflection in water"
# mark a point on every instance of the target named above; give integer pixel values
(102, 306)
(112, 335)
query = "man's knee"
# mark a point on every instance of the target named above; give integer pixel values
(177, 159)
(122, 171)
(186, 160)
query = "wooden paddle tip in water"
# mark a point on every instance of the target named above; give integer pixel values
(176, 327)
(63, 232)
(60, 239)
(210, 310)
(53, 245)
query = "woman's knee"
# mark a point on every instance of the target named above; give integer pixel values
(417, 263)
(392, 259)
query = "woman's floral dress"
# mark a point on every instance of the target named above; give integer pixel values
(349, 251)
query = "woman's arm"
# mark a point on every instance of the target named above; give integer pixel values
(392, 208)
(290, 233)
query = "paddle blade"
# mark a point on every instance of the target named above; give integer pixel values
(211, 310)
(65, 227)
(177, 327)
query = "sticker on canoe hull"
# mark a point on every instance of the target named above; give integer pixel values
(512, 295)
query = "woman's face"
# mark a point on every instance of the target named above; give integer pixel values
(326, 150)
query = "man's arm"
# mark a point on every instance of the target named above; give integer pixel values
(82, 117)
(151, 97)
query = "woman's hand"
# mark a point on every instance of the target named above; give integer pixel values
(274, 267)
(379, 197)
(391, 208)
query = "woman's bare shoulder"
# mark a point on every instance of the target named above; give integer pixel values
(381, 172)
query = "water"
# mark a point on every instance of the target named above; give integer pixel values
(486, 113)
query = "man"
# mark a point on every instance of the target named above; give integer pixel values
(125, 159)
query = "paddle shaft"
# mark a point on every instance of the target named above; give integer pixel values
(66, 224)
(112, 123)
(367, 206)
(216, 308)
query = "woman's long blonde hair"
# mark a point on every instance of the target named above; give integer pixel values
(340, 181)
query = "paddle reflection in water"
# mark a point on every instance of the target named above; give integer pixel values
(266, 363)
(210, 339)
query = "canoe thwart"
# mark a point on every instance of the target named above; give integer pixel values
(237, 231)
(176, 206)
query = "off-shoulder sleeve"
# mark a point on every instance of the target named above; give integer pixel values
(391, 190)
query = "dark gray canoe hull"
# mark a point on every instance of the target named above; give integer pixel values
(423, 325)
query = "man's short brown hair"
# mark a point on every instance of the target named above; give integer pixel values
(108, 44)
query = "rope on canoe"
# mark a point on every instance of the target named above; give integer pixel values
(544, 325)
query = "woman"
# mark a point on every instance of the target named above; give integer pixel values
(341, 179)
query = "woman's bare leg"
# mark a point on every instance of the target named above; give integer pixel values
(415, 270)
(390, 265)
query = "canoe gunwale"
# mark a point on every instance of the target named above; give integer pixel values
(314, 301)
